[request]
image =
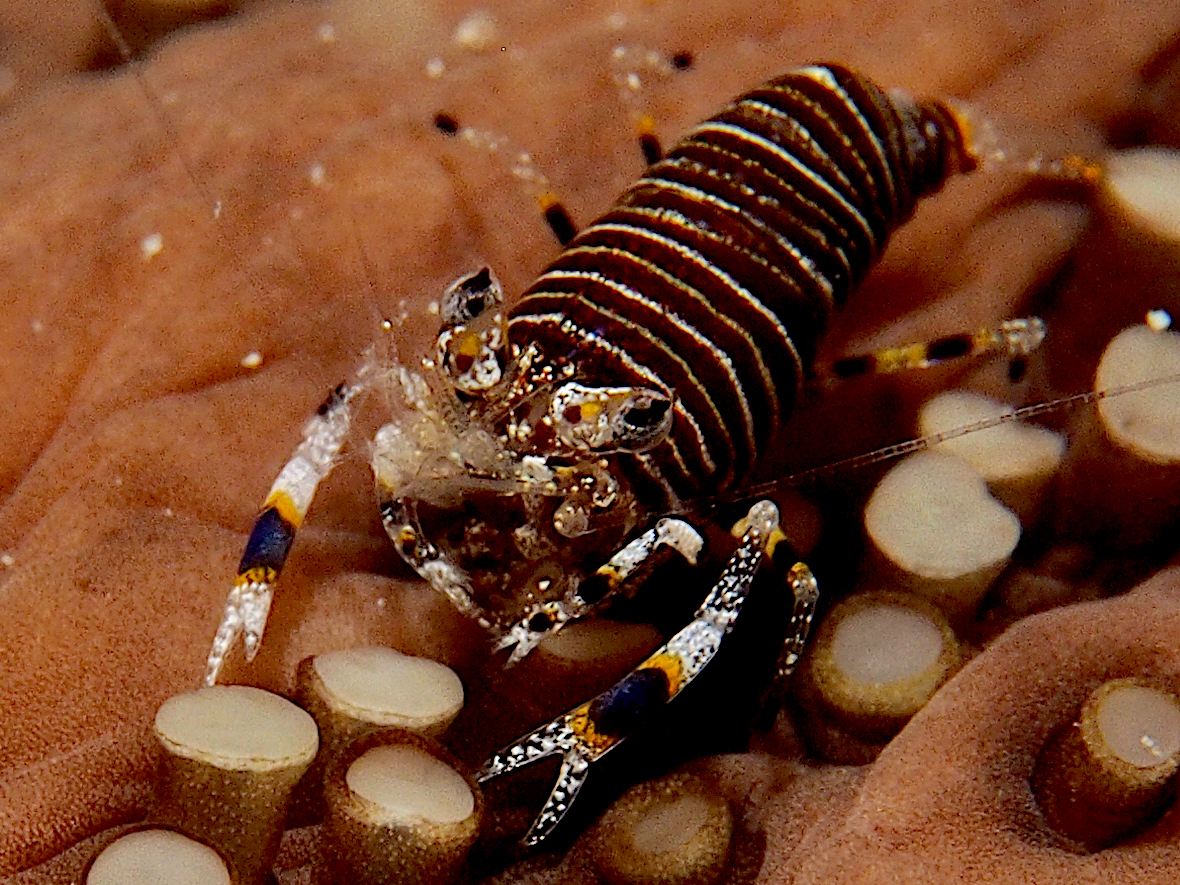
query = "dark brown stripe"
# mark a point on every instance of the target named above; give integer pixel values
(799, 211)
(806, 134)
(889, 133)
(842, 136)
(856, 233)
(761, 203)
(639, 273)
(734, 216)
(795, 309)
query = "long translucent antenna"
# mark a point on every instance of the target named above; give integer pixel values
(324, 436)
(213, 205)
(520, 165)
(155, 103)
(918, 444)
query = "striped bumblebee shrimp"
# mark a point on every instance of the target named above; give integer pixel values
(650, 364)
(580, 437)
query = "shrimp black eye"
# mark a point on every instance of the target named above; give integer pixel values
(540, 622)
(469, 297)
(643, 422)
(478, 281)
(647, 415)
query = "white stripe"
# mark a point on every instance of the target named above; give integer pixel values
(723, 279)
(770, 110)
(819, 234)
(648, 462)
(805, 134)
(826, 78)
(793, 162)
(694, 257)
(768, 384)
(804, 261)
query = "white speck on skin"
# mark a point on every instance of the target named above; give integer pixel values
(151, 246)
(252, 360)
(435, 68)
(316, 174)
(477, 32)
(327, 33)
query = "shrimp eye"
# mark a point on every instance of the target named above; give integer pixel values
(643, 421)
(469, 297)
(646, 415)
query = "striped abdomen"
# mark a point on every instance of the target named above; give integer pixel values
(713, 276)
